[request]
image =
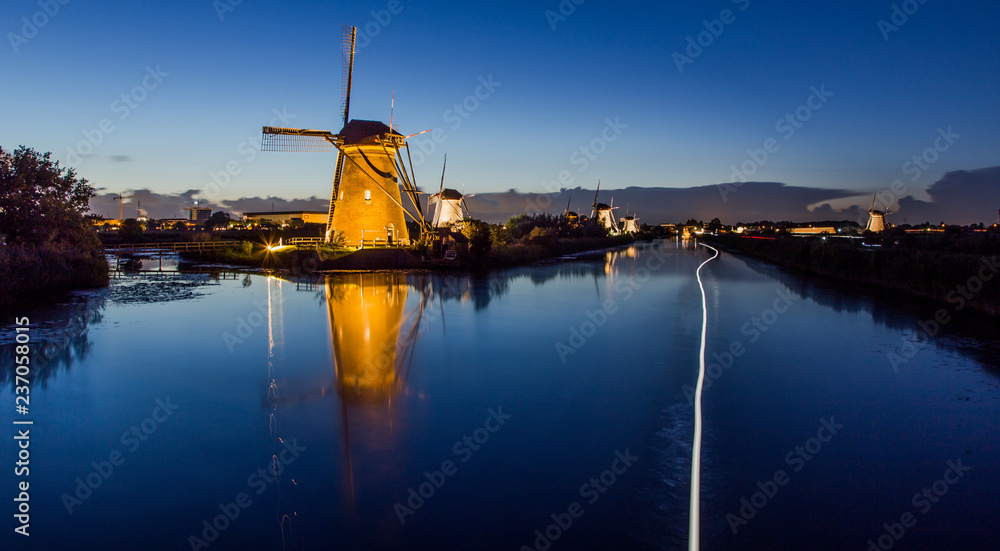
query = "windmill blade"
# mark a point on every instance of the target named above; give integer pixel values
(350, 35)
(296, 140)
(875, 196)
(597, 192)
(445, 167)
(417, 134)
(568, 201)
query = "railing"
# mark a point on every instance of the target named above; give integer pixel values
(305, 241)
(378, 242)
(200, 246)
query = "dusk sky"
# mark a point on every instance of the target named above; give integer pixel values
(204, 77)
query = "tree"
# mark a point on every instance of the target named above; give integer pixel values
(130, 231)
(41, 201)
(480, 237)
(715, 225)
(48, 244)
(218, 218)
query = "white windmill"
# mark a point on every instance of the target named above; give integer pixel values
(602, 213)
(630, 224)
(451, 208)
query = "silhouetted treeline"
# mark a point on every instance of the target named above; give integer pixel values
(962, 274)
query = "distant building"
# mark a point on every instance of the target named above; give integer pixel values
(288, 216)
(198, 214)
(819, 230)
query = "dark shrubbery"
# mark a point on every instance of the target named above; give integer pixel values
(46, 244)
(935, 272)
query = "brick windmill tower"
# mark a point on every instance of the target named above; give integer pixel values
(366, 202)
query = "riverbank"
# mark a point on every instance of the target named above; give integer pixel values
(960, 279)
(310, 259)
(34, 273)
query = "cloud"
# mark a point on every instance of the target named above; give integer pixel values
(959, 197)
(159, 205)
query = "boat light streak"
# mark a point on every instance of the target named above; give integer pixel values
(695, 514)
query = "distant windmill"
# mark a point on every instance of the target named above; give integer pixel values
(602, 213)
(121, 198)
(630, 224)
(365, 202)
(876, 220)
(571, 216)
(451, 207)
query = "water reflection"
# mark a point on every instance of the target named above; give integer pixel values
(366, 322)
(60, 336)
(893, 310)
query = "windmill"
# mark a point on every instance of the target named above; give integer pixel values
(630, 224)
(365, 202)
(876, 220)
(602, 213)
(451, 207)
(121, 198)
(571, 216)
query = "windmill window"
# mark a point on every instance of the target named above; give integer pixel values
(368, 195)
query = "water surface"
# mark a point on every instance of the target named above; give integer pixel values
(549, 399)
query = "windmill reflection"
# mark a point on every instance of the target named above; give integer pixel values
(373, 338)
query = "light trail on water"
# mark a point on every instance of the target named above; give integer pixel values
(694, 528)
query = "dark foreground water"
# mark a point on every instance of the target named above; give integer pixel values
(540, 408)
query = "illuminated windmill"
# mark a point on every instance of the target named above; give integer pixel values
(630, 224)
(451, 208)
(366, 201)
(876, 220)
(602, 213)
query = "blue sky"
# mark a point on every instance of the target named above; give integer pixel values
(212, 82)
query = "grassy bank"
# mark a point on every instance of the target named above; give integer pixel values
(521, 254)
(36, 272)
(961, 279)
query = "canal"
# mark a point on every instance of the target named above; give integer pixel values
(546, 407)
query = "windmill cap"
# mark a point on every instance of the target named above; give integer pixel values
(450, 194)
(364, 132)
